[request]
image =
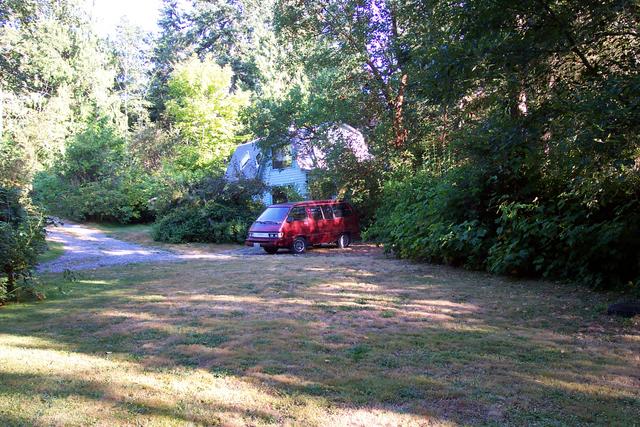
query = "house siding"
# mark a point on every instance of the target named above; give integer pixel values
(289, 176)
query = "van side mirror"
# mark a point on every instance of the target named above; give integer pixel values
(289, 219)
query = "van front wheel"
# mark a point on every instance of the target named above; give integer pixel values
(299, 245)
(344, 241)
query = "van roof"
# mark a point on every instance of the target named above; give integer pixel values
(307, 203)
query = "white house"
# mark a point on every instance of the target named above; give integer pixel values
(291, 164)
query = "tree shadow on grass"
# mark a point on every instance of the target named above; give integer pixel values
(126, 400)
(384, 334)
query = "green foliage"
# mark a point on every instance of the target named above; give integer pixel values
(15, 171)
(54, 75)
(205, 110)
(130, 53)
(503, 135)
(22, 238)
(565, 240)
(437, 219)
(527, 124)
(94, 154)
(291, 192)
(212, 210)
(96, 180)
(426, 218)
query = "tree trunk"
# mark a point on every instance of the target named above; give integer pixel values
(400, 132)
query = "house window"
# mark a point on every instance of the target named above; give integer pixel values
(245, 160)
(278, 196)
(281, 157)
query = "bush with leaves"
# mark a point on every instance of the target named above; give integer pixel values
(22, 238)
(97, 180)
(213, 210)
(427, 218)
(460, 219)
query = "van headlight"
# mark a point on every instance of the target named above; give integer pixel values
(276, 235)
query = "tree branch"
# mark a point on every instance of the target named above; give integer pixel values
(572, 41)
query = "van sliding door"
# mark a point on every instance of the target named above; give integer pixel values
(316, 224)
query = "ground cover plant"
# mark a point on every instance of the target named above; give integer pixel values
(342, 339)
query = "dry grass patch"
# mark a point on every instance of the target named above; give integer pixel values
(316, 340)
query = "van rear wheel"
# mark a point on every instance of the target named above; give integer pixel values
(344, 241)
(270, 249)
(299, 245)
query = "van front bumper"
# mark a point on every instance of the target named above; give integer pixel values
(268, 242)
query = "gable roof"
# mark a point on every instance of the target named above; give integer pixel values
(247, 159)
(245, 162)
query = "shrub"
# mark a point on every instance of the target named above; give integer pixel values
(96, 180)
(568, 243)
(211, 211)
(453, 220)
(430, 219)
(22, 238)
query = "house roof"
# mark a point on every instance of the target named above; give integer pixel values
(245, 162)
(310, 154)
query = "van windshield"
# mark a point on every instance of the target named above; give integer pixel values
(273, 215)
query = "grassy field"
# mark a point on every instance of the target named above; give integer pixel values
(315, 340)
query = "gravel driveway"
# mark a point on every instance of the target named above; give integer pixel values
(86, 248)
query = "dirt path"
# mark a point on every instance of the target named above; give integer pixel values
(86, 248)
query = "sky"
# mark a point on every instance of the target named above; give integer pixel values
(107, 14)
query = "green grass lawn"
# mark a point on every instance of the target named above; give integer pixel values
(54, 250)
(315, 340)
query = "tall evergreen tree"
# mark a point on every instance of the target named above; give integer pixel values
(169, 49)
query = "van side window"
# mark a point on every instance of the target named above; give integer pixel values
(341, 210)
(298, 213)
(327, 211)
(316, 212)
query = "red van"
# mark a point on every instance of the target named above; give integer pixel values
(301, 224)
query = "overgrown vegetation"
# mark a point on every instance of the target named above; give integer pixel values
(212, 210)
(21, 240)
(545, 137)
(97, 179)
(505, 134)
(500, 136)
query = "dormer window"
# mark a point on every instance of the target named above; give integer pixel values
(245, 160)
(281, 157)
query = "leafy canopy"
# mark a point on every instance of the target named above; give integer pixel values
(206, 110)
